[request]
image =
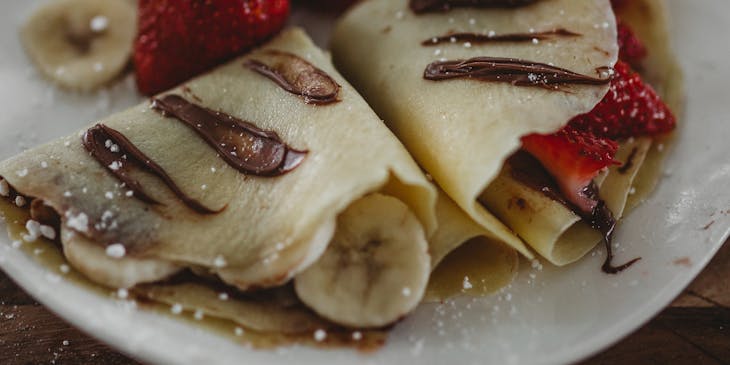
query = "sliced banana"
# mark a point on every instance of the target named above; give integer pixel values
(101, 268)
(81, 44)
(375, 269)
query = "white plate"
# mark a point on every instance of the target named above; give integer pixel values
(546, 316)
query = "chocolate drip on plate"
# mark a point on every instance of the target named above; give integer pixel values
(514, 71)
(430, 6)
(297, 76)
(242, 145)
(602, 220)
(481, 38)
(118, 155)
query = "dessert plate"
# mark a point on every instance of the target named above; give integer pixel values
(546, 316)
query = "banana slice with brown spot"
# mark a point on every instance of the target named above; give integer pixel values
(375, 269)
(81, 44)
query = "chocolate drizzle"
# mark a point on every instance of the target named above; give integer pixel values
(481, 38)
(602, 220)
(514, 71)
(527, 170)
(430, 6)
(118, 154)
(44, 214)
(629, 162)
(298, 77)
(241, 144)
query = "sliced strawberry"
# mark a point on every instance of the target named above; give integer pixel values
(631, 49)
(180, 39)
(574, 158)
(630, 109)
(578, 152)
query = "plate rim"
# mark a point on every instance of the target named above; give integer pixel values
(36, 286)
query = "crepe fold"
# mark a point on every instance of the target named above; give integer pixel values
(547, 224)
(263, 229)
(462, 131)
(465, 258)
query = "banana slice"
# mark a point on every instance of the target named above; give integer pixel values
(81, 44)
(375, 269)
(119, 272)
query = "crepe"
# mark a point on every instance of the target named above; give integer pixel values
(255, 229)
(465, 259)
(163, 198)
(463, 131)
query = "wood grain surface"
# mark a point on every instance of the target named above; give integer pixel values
(694, 329)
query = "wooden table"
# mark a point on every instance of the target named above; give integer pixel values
(694, 329)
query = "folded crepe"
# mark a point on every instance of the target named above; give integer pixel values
(241, 173)
(267, 171)
(465, 259)
(460, 83)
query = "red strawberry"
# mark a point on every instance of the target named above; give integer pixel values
(578, 152)
(631, 49)
(180, 39)
(630, 109)
(574, 158)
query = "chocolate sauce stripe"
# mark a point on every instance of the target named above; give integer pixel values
(118, 163)
(480, 38)
(245, 147)
(511, 70)
(321, 89)
(431, 6)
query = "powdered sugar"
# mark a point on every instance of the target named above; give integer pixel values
(176, 308)
(78, 222)
(320, 335)
(116, 251)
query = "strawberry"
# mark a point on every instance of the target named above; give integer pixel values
(574, 158)
(577, 153)
(631, 49)
(180, 39)
(630, 109)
